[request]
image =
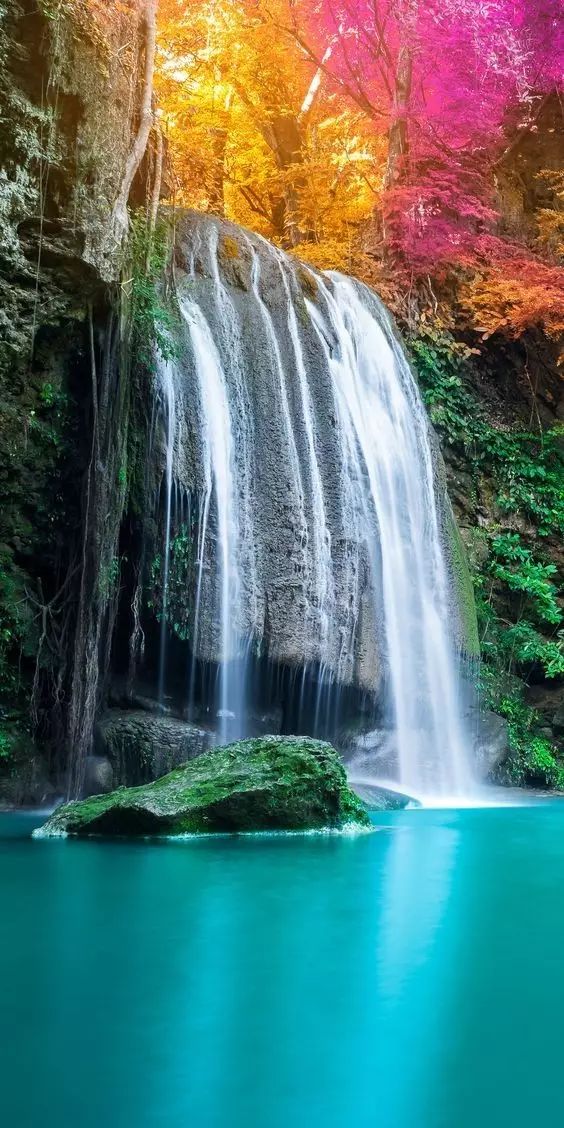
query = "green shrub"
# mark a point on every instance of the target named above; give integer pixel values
(528, 468)
(153, 321)
(517, 599)
(533, 760)
(6, 744)
(515, 565)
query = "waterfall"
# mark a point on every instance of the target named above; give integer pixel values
(217, 442)
(387, 450)
(322, 578)
(169, 412)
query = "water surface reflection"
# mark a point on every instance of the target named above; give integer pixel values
(408, 979)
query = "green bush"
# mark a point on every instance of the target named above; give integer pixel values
(514, 564)
(528, 468)
(152, 320)
(5, 745)
(533, 758)
(527, 473)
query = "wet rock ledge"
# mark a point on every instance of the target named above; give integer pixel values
(268, 783)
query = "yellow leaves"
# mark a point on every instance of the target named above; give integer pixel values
(550, 225)
(330, 254)
(275, 168)
(343, 254)
(550, 218)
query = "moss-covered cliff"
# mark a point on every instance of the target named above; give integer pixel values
(497, 410)
(69, 96)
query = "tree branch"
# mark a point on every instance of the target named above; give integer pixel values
(145, 122)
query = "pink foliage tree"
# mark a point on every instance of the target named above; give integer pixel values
(448, 80)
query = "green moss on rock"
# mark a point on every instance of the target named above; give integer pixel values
(268, 783)
(464, 589)
(308, 283)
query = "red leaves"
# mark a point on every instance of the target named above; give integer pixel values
(512, 290)
(471, 64)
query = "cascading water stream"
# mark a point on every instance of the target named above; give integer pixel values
(275, 357)
(168, 407)
(217, 442)
(387, 445)
(321, 532)
(322, 541)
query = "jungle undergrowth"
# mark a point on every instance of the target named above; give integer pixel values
(517, 479)
(153, 319)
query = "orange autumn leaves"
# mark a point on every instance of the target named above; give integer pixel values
(256, 133)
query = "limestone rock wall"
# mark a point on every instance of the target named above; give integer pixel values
(69, 94)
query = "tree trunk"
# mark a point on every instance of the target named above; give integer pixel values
(216, 193)
(145, 119)
(283, 135)
(155, 196)
(398, 145)
(398, 133)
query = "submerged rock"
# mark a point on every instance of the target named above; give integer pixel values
(379, 798)
(268, 783)
(491, 744)
(98, 775)
(373, 753)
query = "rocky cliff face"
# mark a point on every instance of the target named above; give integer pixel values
(69, 93)
(68, 102)
(306, 586)
(498, 411)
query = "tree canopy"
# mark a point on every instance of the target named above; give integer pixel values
(370, 132)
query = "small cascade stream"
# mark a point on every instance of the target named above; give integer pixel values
(168, 408)
(320, 578)
(386, 441)
(218, 468)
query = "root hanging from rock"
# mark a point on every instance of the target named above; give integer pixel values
(103, 509)
(120, 219)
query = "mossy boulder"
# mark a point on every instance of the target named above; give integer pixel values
(269, 783)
